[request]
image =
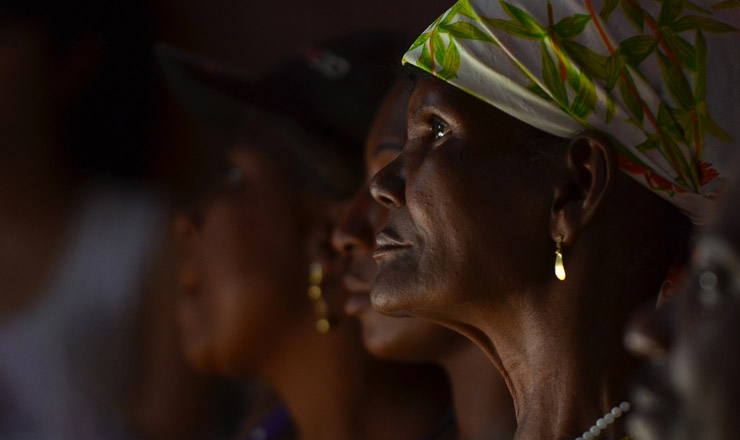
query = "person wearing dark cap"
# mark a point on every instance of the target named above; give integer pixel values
(262, 287)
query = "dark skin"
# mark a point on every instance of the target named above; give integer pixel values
(483, 407)
(246, 313)
(689, 387)
(469, 243)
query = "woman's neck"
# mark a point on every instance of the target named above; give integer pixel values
(334, 390)
(483, 404)
(563, 368)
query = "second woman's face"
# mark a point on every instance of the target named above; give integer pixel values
(469, 212)
(243, 270)
(361, 219)
(690, 388)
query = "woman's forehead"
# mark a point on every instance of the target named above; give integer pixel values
(433, 93)
(430, 89)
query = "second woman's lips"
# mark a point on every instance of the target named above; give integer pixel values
(356, 304)
(356, 285)
(386, 243)
(359, 294)
(654, 404)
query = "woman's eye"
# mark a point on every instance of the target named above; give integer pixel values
(715, 285)
(230, 180)
(439, 129)
(234, 175)
(709, 288)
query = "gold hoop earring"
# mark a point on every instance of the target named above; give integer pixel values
(559, 266)
(320, 308)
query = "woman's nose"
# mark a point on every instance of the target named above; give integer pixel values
(354, 229)
(185, 227)
(648, 334)
(388, 186)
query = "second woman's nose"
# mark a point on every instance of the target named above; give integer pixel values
(388, 186)
(648, 333)
(355, 230)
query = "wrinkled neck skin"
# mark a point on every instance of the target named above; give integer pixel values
(335, 391)
(483, 405)
(560, 389)
(560, 350)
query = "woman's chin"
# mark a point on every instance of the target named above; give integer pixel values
(380, 335)
(651, 423)
(644, 427)
(392, 295)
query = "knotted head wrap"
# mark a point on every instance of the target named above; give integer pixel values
(659, 78)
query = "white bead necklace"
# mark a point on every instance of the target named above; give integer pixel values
(605, 421)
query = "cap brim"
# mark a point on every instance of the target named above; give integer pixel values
(214, 94)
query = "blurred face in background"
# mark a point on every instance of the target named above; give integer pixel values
(691, 385)
(405, 339)
(245, 272)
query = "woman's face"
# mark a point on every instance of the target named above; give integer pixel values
(244, 271)
(468, 208)
(354, 237)
(691, 384)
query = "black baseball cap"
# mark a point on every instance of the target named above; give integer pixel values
(331, 89)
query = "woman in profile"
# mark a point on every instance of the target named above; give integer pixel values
(545, 189)
(263, 287)
(482, 404)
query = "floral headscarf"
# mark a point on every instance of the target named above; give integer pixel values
(660, 78)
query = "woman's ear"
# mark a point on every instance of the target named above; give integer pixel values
(591, 164)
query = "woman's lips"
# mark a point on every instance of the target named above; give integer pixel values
(649, 421)
(359, 294)
(653, 404)
(358, 285)
(356, 304)
(358, 281)
(387, 243)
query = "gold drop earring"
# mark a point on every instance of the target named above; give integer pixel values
(320, 308)
(559, 266)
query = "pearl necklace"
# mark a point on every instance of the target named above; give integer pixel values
(605, 421)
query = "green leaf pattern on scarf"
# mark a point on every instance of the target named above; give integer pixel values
(570, 69)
